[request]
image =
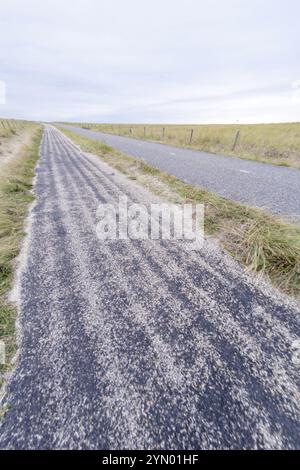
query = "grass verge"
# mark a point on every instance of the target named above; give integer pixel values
(263, 243)
(15, 195)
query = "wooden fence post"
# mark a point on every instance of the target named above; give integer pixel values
(163, 134)
(191, 137)
(144, 132)
(236, 140)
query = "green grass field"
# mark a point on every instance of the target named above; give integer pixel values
(278, 144)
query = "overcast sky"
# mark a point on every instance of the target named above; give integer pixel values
(172, 61)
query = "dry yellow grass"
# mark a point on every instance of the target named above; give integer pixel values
(9, 127)
(13, 136)
(15, 185)
(278, 144)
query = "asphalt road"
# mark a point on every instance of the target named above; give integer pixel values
(141, 344)
(273, 188)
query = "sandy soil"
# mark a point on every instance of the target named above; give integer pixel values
(11, 146)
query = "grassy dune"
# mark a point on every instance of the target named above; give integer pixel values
(15, 184)
(263, 243)
(10, 127)
(278, 144)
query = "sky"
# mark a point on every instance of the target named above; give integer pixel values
(154, 61)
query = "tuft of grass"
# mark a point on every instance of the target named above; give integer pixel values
(270, 247)
(3, 411)
(15, 185)
(103, 148)
(149, 170)
(262, 242)
(278, 144)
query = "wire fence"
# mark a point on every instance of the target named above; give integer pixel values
(275, 143)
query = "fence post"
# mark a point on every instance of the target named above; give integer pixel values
(236, 140)
(163, 134)
(130, 131)
(144, 132)
(191, 137)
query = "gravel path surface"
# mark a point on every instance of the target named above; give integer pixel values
(274, 188)
(141, 344)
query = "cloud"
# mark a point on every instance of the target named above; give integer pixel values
(171, 61)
